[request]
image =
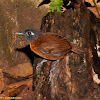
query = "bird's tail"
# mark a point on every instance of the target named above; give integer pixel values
(78, 50)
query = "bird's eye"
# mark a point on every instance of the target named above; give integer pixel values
(29, 33)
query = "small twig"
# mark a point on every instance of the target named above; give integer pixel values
(96, 8)
(18, 78)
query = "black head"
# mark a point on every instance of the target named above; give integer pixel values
(30, 34)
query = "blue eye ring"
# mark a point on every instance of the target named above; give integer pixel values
(29, 33)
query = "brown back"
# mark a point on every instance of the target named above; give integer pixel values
(50, 46)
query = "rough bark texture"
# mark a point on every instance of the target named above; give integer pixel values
(17, 15)
(75, 80)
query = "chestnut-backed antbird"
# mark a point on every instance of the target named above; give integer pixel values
(50, 46)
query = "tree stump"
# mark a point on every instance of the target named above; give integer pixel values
(76, 72)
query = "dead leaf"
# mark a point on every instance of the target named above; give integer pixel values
(93, 9)
(21, 70)
(15, 88)
(92, 3)
(27, 93)
(1, 81)
(18, 84)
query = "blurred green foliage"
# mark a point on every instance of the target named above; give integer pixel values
(56, 5)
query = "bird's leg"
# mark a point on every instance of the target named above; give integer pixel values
(52, 70)
(53, 77)
(40, 64)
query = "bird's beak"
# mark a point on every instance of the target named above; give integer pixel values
(19, 33)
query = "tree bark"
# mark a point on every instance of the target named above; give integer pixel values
(76, 77)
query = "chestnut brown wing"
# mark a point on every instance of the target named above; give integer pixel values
(53, 44)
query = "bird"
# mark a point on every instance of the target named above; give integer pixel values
(50, 46)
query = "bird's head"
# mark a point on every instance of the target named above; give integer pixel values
(30, 34)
